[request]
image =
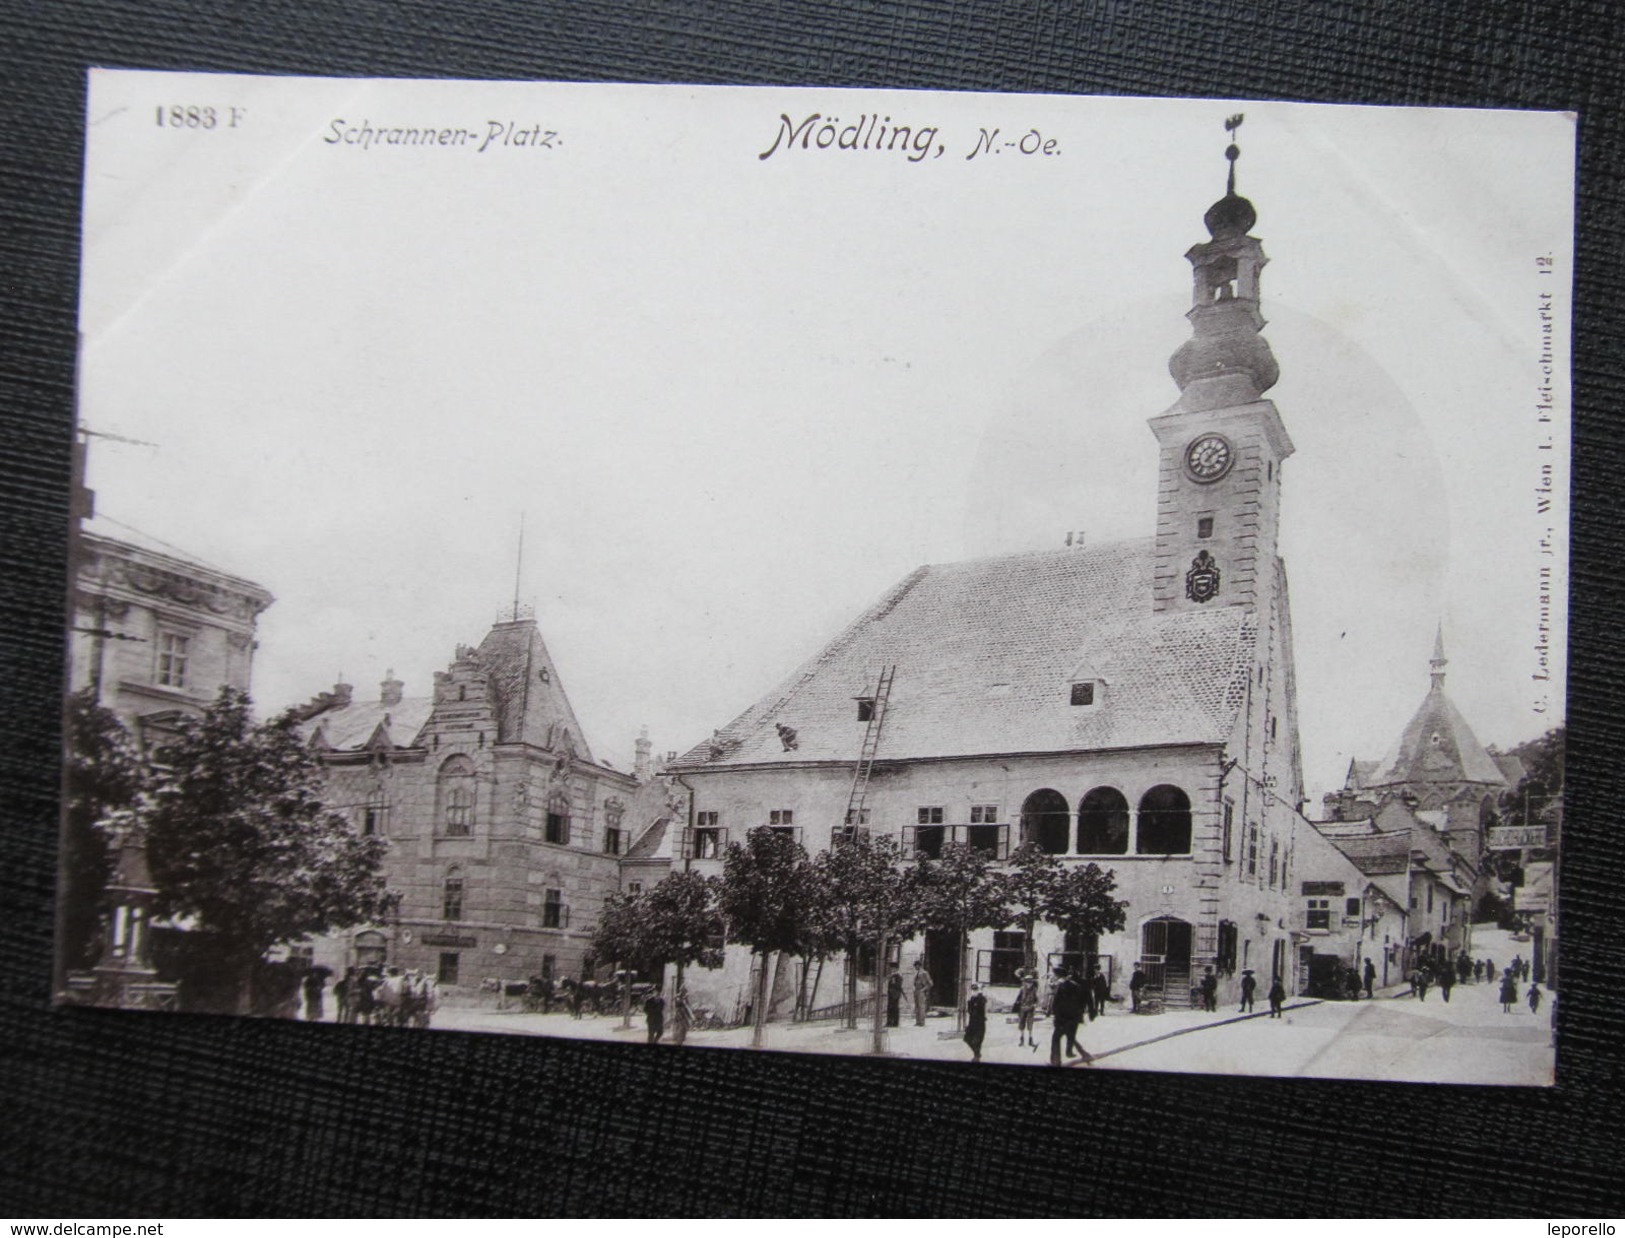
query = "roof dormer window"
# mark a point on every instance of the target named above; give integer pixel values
(1083, 693)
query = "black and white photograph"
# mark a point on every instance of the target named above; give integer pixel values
(1017, 580)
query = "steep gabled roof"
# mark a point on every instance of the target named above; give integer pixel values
(526, 693)
(985, 652)
(1436, 745)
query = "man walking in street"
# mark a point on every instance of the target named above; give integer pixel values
(976, 1021)
(1210, 992)
(922, 992)
(1102, 992)
(1068, 1013)
(654, 1014)
(1249, 986)
(1370, 976)
(1277, 997)
(1136, 982)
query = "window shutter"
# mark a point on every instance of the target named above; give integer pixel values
(688, 842)
(909, 836)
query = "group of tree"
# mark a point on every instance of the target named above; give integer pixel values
(240, 842)
(857, 900)
(1536, 800)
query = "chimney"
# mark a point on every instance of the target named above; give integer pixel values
(342, 691)
(641, 766)
(1075, 540)
(390, 689)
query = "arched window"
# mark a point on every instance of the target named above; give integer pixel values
(1046, 820)
(1165, 822)
(451, 903)
(457, 797)
(1103, 823)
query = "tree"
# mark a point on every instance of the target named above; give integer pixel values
(105, 779)
(1536, 800)
(682, 917)
(869, 899)
(959, 893)
(625, 935)
(1027, 888)
(767, 900)
(1080, 901)
(239, 839)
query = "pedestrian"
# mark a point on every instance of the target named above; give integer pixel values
(341, 995)
(1370, 977)
(1534, 998)
(1464, 967)
(1517, 967)
(1478, 970)
(654, 1015)
(1509, 991)
(1136, 982)
(976, 1021)
(1027, 1007)
(1070, 1005)
(1087, 988)
(682, 1014)
(1447, 977)
(1421, 983)
(894, 999)
(922, 992)
(1277, 997)
(1102, 990)
(1249, 986)
(1210, 992)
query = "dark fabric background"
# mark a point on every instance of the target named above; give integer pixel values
(142, 1116)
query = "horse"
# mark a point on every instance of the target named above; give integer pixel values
(389, 1000)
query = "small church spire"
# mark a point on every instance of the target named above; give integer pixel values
(1438, 661)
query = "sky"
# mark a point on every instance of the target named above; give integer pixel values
(733, 398)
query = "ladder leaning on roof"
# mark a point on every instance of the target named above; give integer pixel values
(866, 756)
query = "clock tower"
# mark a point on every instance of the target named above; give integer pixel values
(1222, 443)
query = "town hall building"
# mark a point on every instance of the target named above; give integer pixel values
(1129, 704)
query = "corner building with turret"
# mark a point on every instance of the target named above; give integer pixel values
(505, 833)
(1129, 704)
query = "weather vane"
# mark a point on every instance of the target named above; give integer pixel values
(1232, 152)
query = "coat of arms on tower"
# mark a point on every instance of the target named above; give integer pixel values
(1202, 581)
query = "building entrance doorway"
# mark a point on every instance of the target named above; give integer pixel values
(1165, 952)
(942, 962)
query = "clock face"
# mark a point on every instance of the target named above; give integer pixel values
(1209, 458)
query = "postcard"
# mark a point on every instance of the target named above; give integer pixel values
(1076, 583)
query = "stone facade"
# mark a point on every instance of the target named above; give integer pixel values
(156, 635)
(505, 832)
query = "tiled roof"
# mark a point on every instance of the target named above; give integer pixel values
(985, 651)
(1436, 745)
(352, 727)
(1374, 854)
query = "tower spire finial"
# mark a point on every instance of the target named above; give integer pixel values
(1232, 152)
(1438, 661)
(518, 566)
